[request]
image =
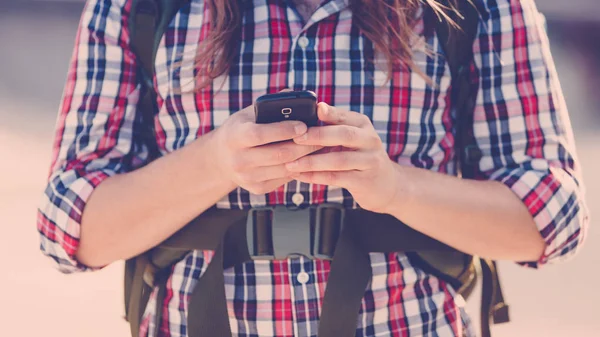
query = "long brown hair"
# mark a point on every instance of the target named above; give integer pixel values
(395, 17)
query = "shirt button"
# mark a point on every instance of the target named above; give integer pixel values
(297, 199)
(302, 277)
(303, 42)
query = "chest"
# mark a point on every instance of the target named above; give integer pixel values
(329, 56)
(306, 8)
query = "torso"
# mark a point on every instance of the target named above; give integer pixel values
(273, 57)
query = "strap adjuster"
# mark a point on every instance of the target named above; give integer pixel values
(276, 233)
(149, 274)
(329, 223)
(500, 313)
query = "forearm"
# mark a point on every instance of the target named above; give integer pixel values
(129, 213)
(482, 218)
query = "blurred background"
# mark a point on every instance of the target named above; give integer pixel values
(36, 40)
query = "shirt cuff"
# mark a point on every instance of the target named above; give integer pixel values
(554, 200)
(59, 216)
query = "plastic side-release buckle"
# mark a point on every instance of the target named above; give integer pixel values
(276, 233)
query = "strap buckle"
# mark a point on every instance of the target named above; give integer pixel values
(276, 233)
(154, 276)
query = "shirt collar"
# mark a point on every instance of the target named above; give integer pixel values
(329, 8)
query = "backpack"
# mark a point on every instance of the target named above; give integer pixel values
(150, 269)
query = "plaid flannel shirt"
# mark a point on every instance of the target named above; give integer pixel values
(521, 125)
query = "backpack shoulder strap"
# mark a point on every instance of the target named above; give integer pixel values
(148, 23)
(145, 14)
(457, 44)
(457, 41)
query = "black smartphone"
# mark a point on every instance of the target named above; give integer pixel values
(288, 105)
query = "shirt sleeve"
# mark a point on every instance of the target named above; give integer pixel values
(522, 127)
(94, 136)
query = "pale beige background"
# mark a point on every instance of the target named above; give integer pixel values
(35, 300)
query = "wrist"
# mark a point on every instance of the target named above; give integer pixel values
(404, 183)
(193, 172)
(212, 165)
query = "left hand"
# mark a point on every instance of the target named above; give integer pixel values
(362, 166)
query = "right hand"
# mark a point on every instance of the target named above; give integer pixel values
(245, 156)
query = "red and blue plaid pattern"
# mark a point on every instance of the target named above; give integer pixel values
(521, 125)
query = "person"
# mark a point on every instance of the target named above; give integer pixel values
(383, 86)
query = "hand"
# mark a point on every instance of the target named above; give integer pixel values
(362, 166)
(245, 156)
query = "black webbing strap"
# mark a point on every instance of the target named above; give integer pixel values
(146, 15)
(500, 313)
(139, 294)
(487, 290)
(207, 310)
(144, 23)
(148, 22)
(349, 276)
(199, 234)
(379, 233)
(492, 306)
(457, 44)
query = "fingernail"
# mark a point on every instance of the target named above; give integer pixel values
(322, 107)
(300, 128)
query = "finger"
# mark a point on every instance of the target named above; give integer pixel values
(343, 179)
(340, 135)
(267, 186)
(246, 115)
(333, 161)
(252, 134)
(263, 174)
(272, 154)
(332, 115)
